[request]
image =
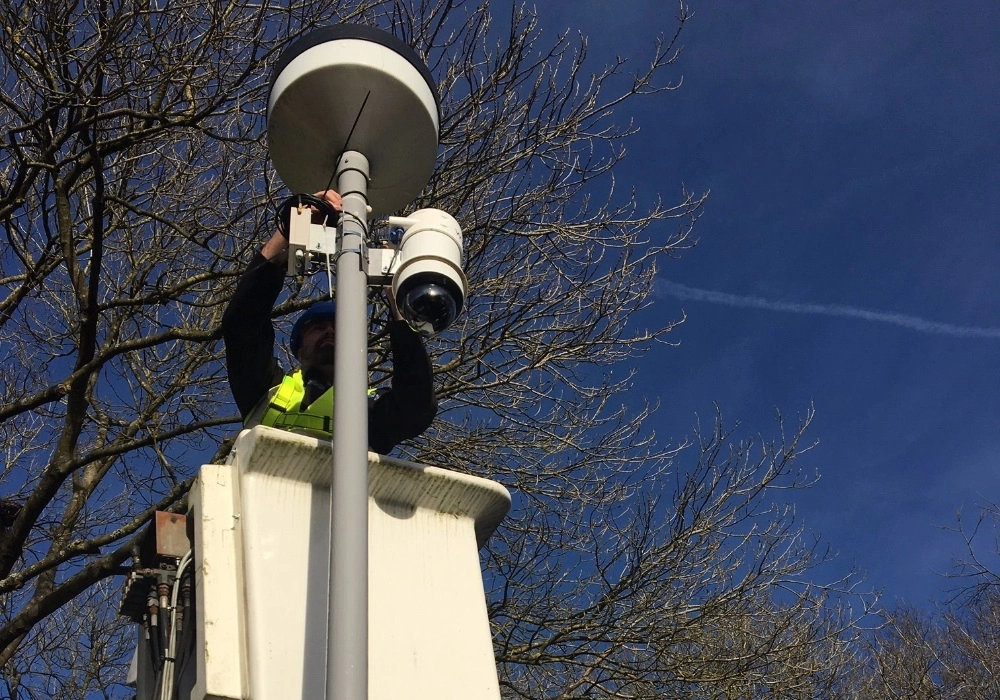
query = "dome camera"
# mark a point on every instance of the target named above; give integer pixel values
(427, 282)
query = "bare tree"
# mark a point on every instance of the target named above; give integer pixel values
(951, 652)
(76, 651)
(134, 186)
(132, 182)
(685, 582)
(945, 654)
(976, 571)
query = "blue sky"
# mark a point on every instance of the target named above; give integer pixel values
(847, 255)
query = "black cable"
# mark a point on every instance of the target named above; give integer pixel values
(284, 210)
(347, 142)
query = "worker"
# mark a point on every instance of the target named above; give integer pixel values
(302, 400)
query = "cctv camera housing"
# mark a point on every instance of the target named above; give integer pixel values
(428, 282)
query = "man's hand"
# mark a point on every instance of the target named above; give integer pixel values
(276, 247)
(332, 198)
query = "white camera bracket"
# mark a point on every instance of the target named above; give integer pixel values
(313, 247)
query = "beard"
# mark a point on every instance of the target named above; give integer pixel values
(322, 353)
(325, 353)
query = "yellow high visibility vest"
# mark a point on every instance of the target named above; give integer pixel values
(284, 409)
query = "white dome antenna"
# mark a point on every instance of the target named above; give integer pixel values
(354, 88)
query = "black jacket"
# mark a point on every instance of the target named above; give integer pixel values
(402, 412)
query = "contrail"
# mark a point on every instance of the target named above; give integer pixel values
(915, 323)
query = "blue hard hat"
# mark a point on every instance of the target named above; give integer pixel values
(324, 309)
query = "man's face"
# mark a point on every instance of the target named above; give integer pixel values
(319, 342)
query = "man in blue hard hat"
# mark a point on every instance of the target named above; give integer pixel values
(302, 400)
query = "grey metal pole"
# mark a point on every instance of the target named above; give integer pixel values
(347, 634)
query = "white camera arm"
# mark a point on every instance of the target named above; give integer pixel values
(312, 247)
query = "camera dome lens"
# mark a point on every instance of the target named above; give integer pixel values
(429, 308)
